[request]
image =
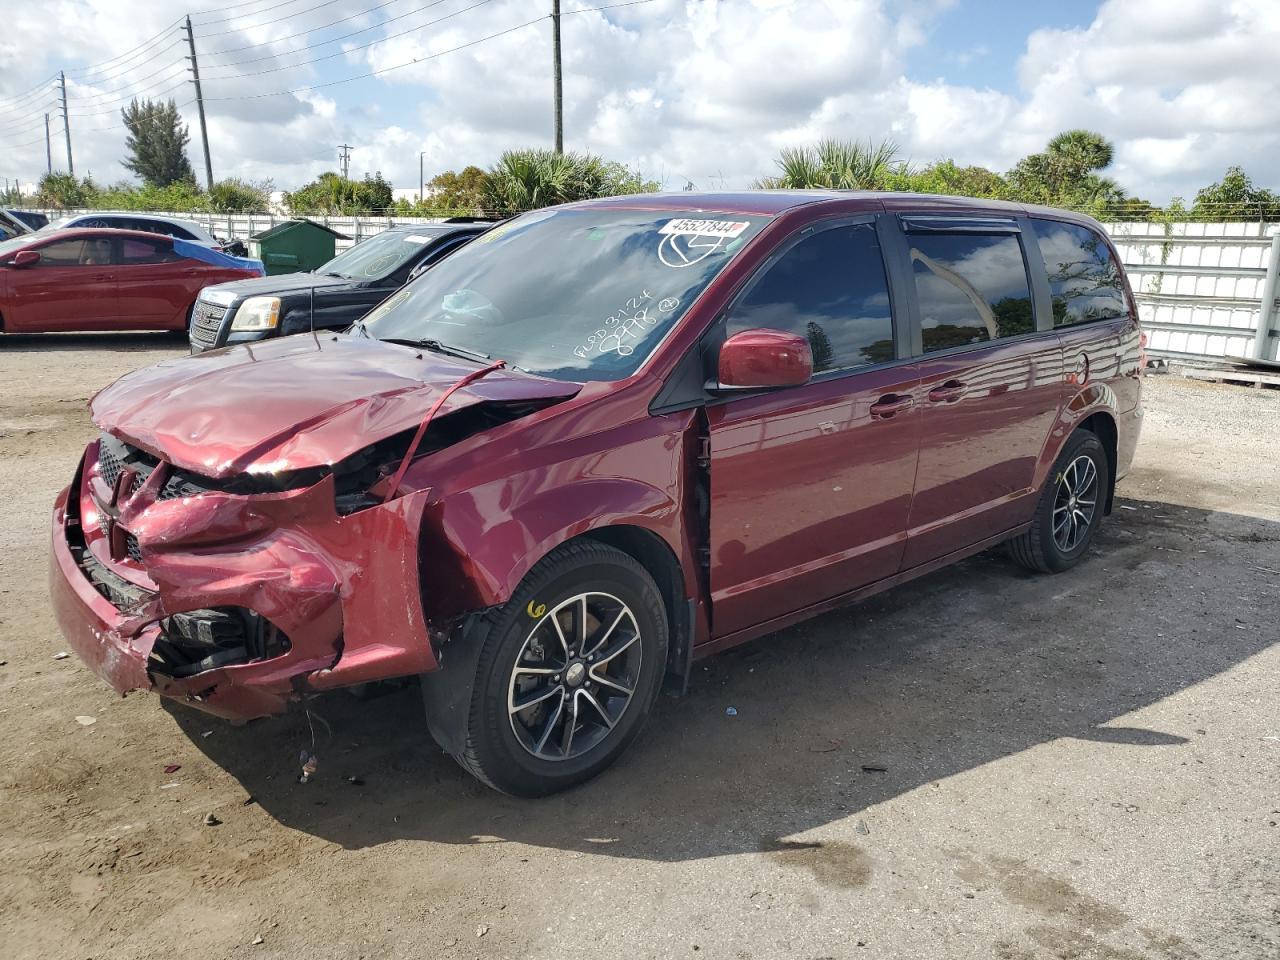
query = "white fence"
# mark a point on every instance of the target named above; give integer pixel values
(1206, 291)
(1201, 287)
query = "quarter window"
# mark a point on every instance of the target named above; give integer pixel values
(1084, 280)
(830, 288)
(135, 251)
(972, 288)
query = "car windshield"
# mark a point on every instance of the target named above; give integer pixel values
(574, 294)
(17, 243)
(381, 254)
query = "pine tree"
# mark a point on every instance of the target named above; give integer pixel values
(157, 143)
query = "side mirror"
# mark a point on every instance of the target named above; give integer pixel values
(26, 258)
(762, 359)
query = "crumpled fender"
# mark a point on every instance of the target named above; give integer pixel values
(483, 537)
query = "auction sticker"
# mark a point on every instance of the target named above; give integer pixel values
(687, 241)
(705, 228)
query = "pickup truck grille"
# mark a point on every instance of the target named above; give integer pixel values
(206, 325)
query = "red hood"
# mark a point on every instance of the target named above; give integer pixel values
(294, 402)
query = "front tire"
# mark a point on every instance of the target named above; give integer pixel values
(1070, 508)
(568, 674)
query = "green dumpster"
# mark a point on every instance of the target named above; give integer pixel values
(294, 246)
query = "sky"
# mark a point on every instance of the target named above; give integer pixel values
(688, 91)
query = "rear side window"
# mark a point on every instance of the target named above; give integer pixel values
(830, 288)
(972, 288)
(1084, 280)
(133, 250)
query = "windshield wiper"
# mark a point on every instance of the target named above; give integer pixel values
(435, 346)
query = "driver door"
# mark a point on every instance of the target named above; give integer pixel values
(73, 287)
(811, 486)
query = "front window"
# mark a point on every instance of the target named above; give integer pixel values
(574, 294)
(378, 256)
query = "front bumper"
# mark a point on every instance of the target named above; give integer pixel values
(344, 589)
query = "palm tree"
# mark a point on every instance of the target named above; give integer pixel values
(1080, 152)
(836, 165)
(530, 179)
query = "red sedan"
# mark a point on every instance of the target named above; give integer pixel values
(107, 280)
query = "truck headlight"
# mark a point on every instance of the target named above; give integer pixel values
(257, 313)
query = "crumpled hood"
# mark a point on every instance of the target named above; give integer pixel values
(294, 402)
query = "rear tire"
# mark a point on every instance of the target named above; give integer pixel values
(1069, 510)
(569, 672)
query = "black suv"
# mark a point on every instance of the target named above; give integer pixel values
(334, 296)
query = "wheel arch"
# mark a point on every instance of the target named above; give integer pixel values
(1102, 425)
(656, 556)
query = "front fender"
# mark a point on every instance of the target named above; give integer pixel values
(487, 557)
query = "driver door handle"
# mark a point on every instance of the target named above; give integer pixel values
(890, 404)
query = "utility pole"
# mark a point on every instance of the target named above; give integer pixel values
(421, 153)
(559, 85)
(344, 157)
(66, 121)
(48, 145)
(204, 131)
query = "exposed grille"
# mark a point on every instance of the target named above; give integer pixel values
(206, 324)
(114, 455)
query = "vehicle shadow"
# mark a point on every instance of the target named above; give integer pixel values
(964, 667)
(107, 341)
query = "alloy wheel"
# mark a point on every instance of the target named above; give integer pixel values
(1075, 503)
(575, 676)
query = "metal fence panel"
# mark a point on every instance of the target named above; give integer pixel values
(1200, 287)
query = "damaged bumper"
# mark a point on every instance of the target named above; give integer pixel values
(235, 604)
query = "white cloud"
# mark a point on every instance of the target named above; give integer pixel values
(706, 90)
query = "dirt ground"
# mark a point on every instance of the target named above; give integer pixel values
(983, 763)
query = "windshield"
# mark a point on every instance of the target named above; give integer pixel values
(574, 294)
(381, 254)
(17, 243)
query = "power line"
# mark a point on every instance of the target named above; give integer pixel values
(423, 59)
(348, 50)
(321, 43)
(376, 73)
(254, 13)
(266, 23)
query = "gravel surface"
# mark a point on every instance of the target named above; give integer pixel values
(983, 763)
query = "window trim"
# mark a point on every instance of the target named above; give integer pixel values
(953, 223)
(976, 226)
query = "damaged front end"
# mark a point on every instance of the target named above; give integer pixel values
(238, 603)
(242, 593)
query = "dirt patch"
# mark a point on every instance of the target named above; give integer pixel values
(1095, 744)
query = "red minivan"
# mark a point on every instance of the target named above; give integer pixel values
(596, 443)
(100, 279)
